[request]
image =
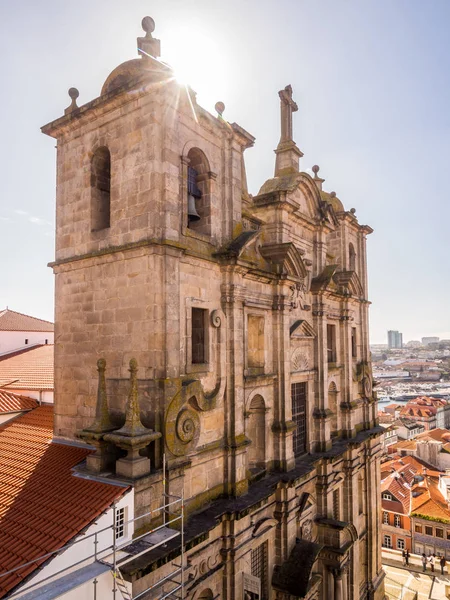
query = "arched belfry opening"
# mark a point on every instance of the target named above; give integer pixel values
(198, 192)
(351, 257)
(257, 433)
(101, 189)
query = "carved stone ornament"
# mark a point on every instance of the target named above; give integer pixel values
(307, 530)
(299, 362)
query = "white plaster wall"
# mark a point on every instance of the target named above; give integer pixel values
(15, 340)
(82, 550)
(43, 396)
(4, 418)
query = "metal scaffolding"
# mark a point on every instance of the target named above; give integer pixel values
(115, 556)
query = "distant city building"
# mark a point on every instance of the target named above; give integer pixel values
(426, 341)
(395, 339)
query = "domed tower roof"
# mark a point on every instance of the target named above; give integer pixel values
(148, 67)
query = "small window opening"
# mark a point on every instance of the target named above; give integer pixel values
(260, 567)
(354, 347)
(26, 340)
(298, 399)
(331, 343)
(336, 507)
(198, 336)
(101, 189)
(360, 496)
(120, 523)
(46, 341)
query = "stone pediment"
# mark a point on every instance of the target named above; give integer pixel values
(301, 329)
(324, 281)
(237, 246)
(349, 282)
(345, 283)
(286, 258)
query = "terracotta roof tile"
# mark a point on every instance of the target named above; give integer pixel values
(10, 402)
(32, 369)
(42, 505)
(10, 320)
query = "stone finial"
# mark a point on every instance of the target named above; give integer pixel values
(133, 426)
(148, 46)
(133, 436)
(317, 180)
(73, 93)
(220, 107)
(353, 211)
(101, 459)
(288, 154)
(333, 194)
(102, 422)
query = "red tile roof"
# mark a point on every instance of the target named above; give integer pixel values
(42, 504)
(10, 402)
(32, 369)
(10, 320)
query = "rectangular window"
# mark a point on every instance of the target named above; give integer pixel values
(448, 534)
(331, 343)
(397, 521)
(400, 544)
(360, 496)
(260, 568)
(418, 528)
(298, 397)
(439, 533)
(26, 341)
(386, 518)
(255, 342)
(428, 530)
(120, 523)
(198, 336)
(354, 354)
(387, 541)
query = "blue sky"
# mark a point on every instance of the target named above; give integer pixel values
(371, 78)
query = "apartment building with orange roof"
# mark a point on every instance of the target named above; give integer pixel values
(416, 507)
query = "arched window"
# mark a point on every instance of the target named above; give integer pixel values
(351, 257)
(198, 192)
(257, 433)
(332, 405)
(101, 189)
(206, 594)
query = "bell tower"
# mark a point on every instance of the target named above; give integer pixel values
(138, 172)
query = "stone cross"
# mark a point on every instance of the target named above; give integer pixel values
(288, 106)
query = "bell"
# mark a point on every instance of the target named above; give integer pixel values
(192, 212)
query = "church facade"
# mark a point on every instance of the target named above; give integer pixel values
(245, 319)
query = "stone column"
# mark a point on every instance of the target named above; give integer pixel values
(345, 584)
(338, 593)
(330, 584)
